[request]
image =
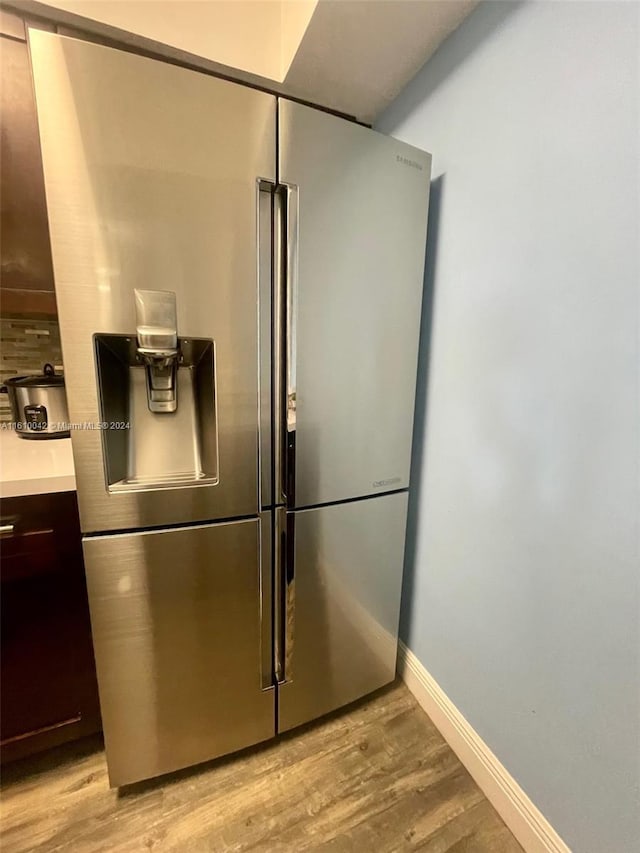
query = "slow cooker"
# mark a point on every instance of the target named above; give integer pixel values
(39, 404)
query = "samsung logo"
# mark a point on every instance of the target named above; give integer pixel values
(378, 484)
(406, 162)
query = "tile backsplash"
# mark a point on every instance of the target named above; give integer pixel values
(25, 346)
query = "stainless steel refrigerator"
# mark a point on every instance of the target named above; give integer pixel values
(239, 286)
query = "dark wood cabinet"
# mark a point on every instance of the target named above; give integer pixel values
(49, 690)
(48, 682)
(26, 279)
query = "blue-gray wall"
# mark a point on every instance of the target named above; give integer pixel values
(521, 584)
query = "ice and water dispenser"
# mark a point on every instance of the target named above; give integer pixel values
(157, 346)
(157, 398)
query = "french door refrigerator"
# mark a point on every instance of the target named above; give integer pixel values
(239, 284)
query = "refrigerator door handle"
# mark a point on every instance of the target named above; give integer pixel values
(289, 596)
(285, 324)
(265, 192)
(266, 603)
(279, 552)
(284, 604)
(292, 211)
(279, 343)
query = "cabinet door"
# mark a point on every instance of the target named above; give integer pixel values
(354, 303)
(49, 691)
(343, 603)
(177, 634)
(26, 255)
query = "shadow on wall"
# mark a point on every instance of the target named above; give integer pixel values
(482, 23)
(422, 392)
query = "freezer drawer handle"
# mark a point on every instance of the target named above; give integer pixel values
(266, 603)
(279, 536)
(285, 595)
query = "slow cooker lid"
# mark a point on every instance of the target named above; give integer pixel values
(47, 379)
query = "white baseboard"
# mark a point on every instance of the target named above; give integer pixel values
(525, 821)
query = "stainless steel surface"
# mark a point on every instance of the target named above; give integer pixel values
(6, 529)
(150, 173)
(39, 411)
(264, 201)
(266, 602)
(176, 628)
(363, 201)
(345, 601)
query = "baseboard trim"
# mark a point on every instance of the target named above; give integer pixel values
(526, 822)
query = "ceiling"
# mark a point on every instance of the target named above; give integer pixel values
(356, 55)
(353, 56)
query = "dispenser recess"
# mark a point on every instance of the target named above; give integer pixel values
(145, 449)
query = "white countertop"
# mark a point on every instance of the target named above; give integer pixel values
(34, 466)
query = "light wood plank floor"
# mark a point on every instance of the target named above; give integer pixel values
(375, 778)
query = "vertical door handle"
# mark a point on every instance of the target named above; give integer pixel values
(279, 550)
(279, 322)
(292, 212)
(265, 233)
(266, 602)
(289, 596)
(285, 323)
(284, 610)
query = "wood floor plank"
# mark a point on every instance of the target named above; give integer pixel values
(377, 778)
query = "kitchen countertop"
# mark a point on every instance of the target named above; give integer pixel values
(34, 467)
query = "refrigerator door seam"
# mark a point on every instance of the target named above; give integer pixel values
(367, 497)
(187, 525)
